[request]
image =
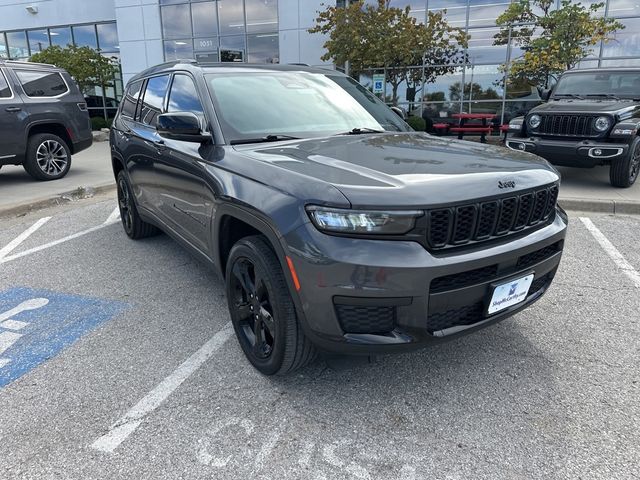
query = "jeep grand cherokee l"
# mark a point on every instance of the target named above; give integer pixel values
(43, 119)
(334, 226)
(592, 118)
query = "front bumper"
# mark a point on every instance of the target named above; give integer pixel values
(570, 153)
(375, 296)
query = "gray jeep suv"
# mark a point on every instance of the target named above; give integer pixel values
(43, 119)
(334, 226)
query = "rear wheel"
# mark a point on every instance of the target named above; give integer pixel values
(262, 311)
(133, 225)
(48, 157)
(624, 171)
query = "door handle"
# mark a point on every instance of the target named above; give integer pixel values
(13, 109)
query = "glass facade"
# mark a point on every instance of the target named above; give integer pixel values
(102, 100)
(477, 86)
(221, 30)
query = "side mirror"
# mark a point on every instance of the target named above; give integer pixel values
(398, 111)
(183, 126)
(544, 93)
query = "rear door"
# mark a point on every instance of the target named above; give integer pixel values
(13, 119)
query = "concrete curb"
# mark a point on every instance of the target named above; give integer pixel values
(53, 200)
(612, 207)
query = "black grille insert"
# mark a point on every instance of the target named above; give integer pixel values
(567, 125)
(533, 258)
(464, 224)
(366, 319)
(463, 279)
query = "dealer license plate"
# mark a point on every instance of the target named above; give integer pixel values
(509, 294)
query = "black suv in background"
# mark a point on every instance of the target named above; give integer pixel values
(43, 119)
(592, 117)
(334, 225)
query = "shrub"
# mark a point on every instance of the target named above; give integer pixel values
(98, 123)
(417, 123)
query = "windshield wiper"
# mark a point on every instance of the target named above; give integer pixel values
(267, 138)
(568, 95)
(606, 95)
(361, 131)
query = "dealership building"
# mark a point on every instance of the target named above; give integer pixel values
(141, 33)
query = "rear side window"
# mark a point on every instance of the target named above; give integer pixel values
(153, 99)
(5, 91)
(130, 101)
(184, 96)
(41, 84)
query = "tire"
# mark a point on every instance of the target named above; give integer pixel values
(133, 225)
(48, 157)
(255, 282)
(624, 171)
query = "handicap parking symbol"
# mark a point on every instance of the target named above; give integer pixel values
(36, 325)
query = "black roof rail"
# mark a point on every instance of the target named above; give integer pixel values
(20, 62)
(299, 64)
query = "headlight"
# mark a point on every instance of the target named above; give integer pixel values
(363, 222)
(534, 121)
(602, 124)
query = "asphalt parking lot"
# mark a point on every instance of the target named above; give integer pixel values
(118, 361)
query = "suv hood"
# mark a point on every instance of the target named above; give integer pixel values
(405, 169)
(587, 106)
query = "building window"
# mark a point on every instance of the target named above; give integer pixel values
(38, 40)
(221, 30)
(108, 37)
(85, 36)
(61, 36)
(17, 45)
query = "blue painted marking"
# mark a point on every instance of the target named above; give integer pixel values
(50, 329)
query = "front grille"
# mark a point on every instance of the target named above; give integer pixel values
(474, 313)
(467, 315)
(464, 279)
(538, 256)
(567, 126)
(366, 319)
(475, 222)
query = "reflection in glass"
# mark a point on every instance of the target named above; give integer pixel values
(184, 96)
(108, 37)
(263, 48)
(176, 49)
(232, 48)
(262, 15)
(485, 12)
(481, 48)
(176, 21)
(624, 8)
(3, 47)
(483, 83)
(61, 36)
(18, 47)
(38, 40)
(85, 36)
(231, 14)
(456, 11)
(625, 43)
(205, 19)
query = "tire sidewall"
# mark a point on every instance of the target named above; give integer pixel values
(633, 146)
(277, 298)
(122, 182)
(34, 144)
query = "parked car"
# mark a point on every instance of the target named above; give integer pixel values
(592, 117)
(334, 226)
(43, 119)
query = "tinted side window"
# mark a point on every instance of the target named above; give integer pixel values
(153, 99)
(184, 96)
(41, 84)
(5, 91)
(130, 101)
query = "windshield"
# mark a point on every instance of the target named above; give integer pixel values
(252, 105)
(618, 84)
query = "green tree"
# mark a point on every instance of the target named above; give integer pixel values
(552, 40)
(86, 65)
(473, 91)
(379, 36)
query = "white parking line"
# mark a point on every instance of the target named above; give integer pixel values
(124, 427)
(22, 237)
(612, 251)
(114, 217)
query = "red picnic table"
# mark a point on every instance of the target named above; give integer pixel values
(483, 129)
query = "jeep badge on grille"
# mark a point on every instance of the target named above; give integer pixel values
(507, 184)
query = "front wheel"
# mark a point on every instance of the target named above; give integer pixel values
(262, 311)
(133, 225)
(624, 171)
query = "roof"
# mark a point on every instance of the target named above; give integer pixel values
(604, 70)
(17, 63)
(193, 65)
